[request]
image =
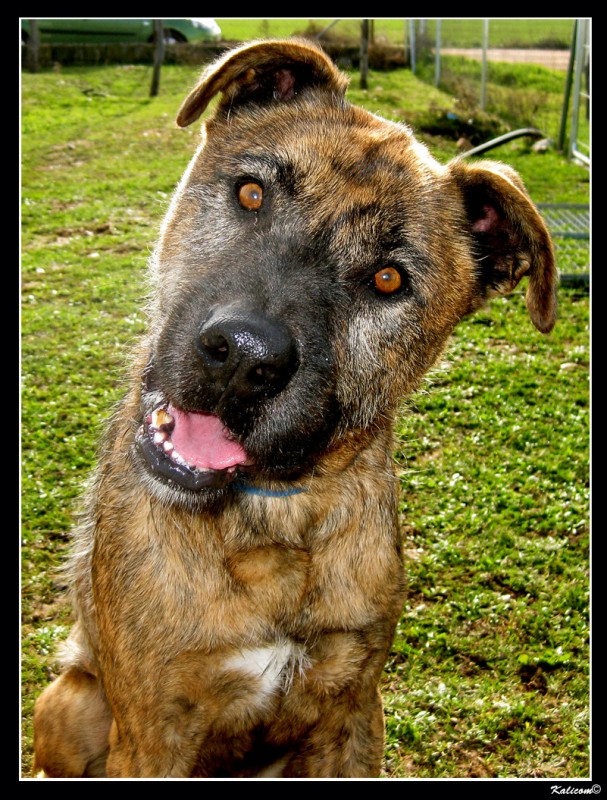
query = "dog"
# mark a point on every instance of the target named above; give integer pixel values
(237, 574)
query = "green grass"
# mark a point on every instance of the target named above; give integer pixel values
(489, 671)
(489, 674)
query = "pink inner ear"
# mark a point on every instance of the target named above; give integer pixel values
(489, 220)
(285, 84)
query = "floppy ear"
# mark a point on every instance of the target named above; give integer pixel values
(261, 72)
(510, 238)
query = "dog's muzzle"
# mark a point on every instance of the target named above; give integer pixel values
(242, 358)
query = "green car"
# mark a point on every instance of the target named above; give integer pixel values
(104, 31)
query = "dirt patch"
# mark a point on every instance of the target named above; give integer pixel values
(553, 59)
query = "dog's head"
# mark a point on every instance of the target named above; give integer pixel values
(313, 262)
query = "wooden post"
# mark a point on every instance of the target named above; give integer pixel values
(364, 54)
(158, 56)
(33, 46)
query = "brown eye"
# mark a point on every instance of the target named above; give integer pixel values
(250, 196)
(388, 280)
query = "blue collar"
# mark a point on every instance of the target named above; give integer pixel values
(248, 489)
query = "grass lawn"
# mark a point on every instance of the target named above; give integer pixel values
(489, 673)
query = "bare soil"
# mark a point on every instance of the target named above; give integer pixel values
(553, 59)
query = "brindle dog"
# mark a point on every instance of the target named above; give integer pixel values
(237, 576)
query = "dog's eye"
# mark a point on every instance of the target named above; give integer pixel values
(387, 280)
(250, 196)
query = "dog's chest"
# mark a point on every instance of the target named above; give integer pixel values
(316, 577)
(297, 591)
(273, 623)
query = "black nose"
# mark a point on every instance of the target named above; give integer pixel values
(246, 354)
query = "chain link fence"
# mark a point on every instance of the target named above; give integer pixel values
(467, 58)
(569, 226)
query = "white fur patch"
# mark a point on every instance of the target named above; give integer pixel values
(272, 666)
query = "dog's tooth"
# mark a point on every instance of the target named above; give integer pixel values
(160, 417)
(168, 446)
(160, 437)
(178, 459)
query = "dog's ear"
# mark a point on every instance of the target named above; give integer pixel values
(510, 238)
(261, 72)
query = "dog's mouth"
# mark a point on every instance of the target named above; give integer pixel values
(191, 449)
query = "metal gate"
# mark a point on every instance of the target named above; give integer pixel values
(579, 143)
(569, 226)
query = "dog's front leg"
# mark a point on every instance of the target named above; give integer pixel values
(159, 737)
(153, 747)
(194, 715)
(150, 756)
(347, 742)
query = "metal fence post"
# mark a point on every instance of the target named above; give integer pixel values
(581, 48)
(412, 43)
(437, 54)
(484, 65)
(567, 97)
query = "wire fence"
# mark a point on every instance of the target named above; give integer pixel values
(569, 226)
(467, 32)
(475, 60)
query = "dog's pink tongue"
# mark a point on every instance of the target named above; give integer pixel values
(202, 441)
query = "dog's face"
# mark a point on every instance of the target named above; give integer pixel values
(314, 260)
